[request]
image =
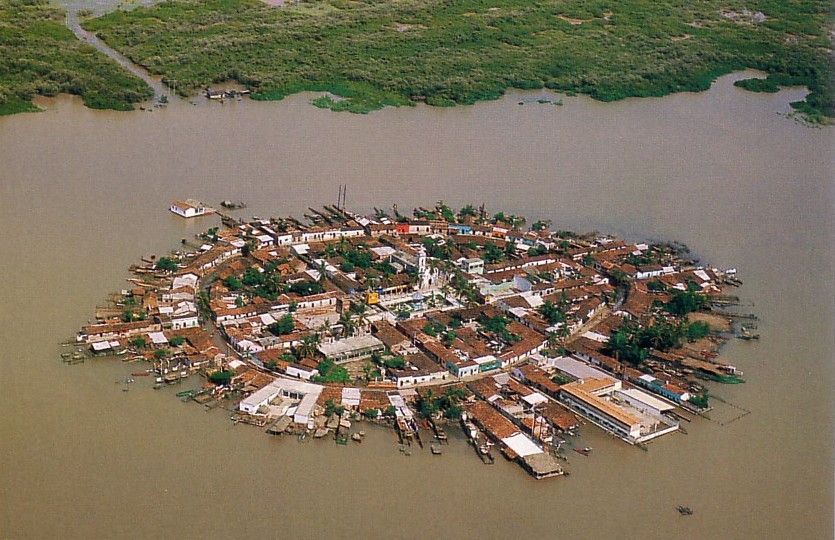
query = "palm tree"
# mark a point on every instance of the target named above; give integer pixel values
(553, 340)
(309, 345)
(563, 331)
(325, 327)
(348, 325)
(362, 316)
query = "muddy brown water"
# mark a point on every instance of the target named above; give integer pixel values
(83, 194)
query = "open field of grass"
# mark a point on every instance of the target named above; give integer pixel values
(40, 56)
(377, 53)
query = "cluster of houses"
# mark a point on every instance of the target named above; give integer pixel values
(519, 319)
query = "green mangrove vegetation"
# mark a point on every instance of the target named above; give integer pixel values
(41, 56)
(367, 54)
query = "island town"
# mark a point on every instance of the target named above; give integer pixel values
(425, 321)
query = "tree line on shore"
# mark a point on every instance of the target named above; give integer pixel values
(366, 54)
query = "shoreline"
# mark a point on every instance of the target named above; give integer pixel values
(530, 98)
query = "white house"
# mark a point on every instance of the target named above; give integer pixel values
(474, 265)
(190, 208)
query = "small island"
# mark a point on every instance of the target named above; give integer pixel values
(312, 326)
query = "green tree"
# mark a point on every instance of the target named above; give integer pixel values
(697, 330)
(394, 362)
(427, 403)
(332, 408)
(306, 288)
(656, 286)
(232, 283)
(431, 328)
(551, 313)
(623, 345)
(683, 303)
(467, 211)
(252, 277)
(176, 341)
(309, 345)
(347, 323)
(492, 254)
(221, 377)
(325, 367)
(282, 326)
(453, 411)
(166, 264)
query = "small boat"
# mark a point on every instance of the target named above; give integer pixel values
(356, 437)
(436, 449)
(581, 451)
(185, 393)
(684, 510)
(588, 449)
(232, 205)
(140, 374)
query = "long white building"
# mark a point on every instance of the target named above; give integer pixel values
(629, 414)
